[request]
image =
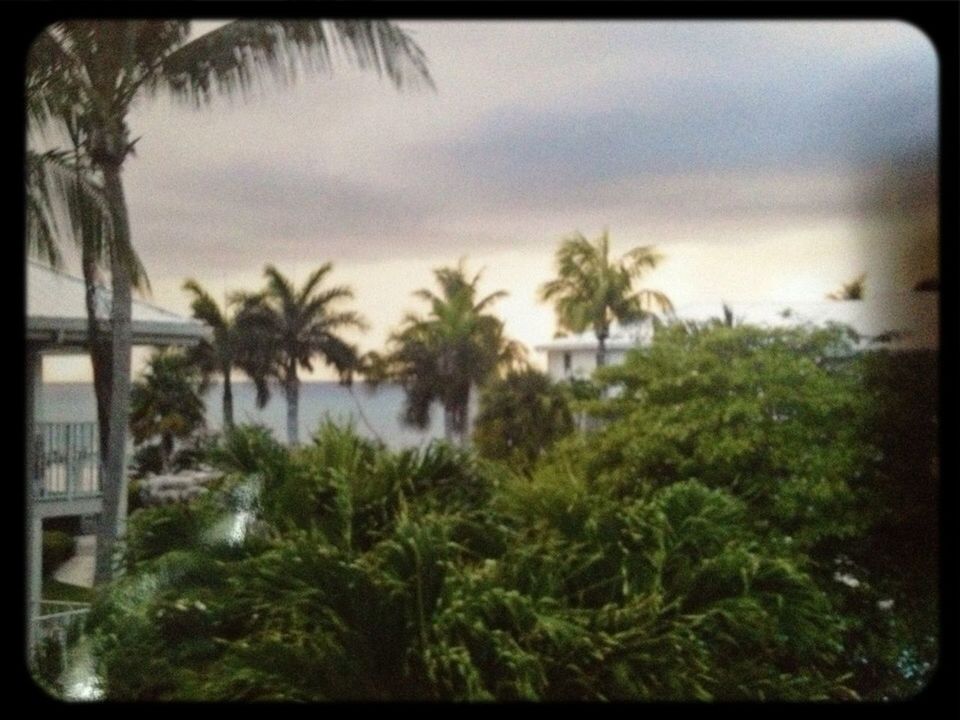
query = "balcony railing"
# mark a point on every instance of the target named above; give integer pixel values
(66, 461)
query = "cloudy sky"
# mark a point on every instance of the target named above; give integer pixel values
(767, 161)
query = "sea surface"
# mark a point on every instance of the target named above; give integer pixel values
(372, 413)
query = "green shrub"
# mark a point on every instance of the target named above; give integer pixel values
(154, 531)
(521, 415)
(248, 450)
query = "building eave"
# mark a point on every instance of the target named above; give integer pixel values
(70, 333)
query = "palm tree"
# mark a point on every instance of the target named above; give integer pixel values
(63, 182)
(221, 354)
(166, 402)
(853, 290)
(591, 291)
(286, 328)
(445, 355)
(102, 67)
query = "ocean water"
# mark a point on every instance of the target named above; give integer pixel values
(373, 413)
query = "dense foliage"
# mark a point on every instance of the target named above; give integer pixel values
(718, 536)
(166, 404)
(592, 290)
(444, 356)
(284, 329)
(521, 415)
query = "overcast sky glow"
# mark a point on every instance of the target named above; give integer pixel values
(747, 152)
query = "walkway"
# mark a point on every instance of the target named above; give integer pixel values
(78, 570)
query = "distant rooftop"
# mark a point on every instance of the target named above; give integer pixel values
(622, 337)
(56, 313)
(914, 315)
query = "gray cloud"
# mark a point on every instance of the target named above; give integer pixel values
(706, 122)
(558, 125)
(245, 209)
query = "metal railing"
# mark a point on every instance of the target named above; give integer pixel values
(60, 610)
(66, 461)
(57, 618)
(57, 625)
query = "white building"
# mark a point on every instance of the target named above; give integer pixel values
(63, 463)
(575, 356)
(909, 320)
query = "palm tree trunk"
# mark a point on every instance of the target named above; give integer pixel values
(227, 400)
(100, 349)
(114, 469)
(601, 350)
(292, 388)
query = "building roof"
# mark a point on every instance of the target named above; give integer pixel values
(57, 315)
(621, 338)
(913, 315)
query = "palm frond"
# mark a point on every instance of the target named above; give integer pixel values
(234, 58)
(642, 258)
(489, 300)
(279, 287)
(63, 201)
(347, 318)
(315, 277)
(591, 290)
(204, 307)
(655, 298)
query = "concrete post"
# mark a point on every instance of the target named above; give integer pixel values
(34, 584)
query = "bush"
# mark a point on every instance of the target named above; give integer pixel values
(58, 547)
(769, 415)
(154, 531)
(248, 450)
(521, 415)
(147, 460)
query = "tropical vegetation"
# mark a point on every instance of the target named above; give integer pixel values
(445, 356)
(591, 290)
(223, 351)
(286, 329)
(521, 415)
(93, 71)
(166, 403)
(744, 525)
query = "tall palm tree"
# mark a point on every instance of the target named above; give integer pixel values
(447, 354)
(591, 290)
(58, 183)
(107, 65)
(286, 328)
(220, 354)
(63, 183)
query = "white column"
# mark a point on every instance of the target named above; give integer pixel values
(34, 584)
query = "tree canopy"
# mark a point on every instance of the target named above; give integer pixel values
(440, 357)
(287, 328)
(592, 290)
